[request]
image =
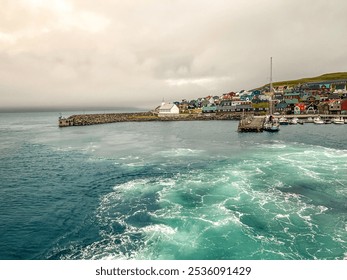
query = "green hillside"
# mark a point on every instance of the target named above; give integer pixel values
(321, 78)
(324, 77)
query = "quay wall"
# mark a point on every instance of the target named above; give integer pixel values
(93, 119)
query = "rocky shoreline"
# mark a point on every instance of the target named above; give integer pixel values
(93, 119)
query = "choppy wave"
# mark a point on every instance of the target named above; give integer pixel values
(270, 206)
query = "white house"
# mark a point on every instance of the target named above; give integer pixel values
(167, 109)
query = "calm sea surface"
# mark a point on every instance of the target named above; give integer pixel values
(170, 190)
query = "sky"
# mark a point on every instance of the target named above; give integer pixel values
(137, 53)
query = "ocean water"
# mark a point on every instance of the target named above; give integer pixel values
(171, 190)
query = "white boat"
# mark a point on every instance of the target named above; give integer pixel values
(293, 121)
(283, 121)
(271, 124)
(271, 127)
(338, 120)
(309, 120)
(318, 120)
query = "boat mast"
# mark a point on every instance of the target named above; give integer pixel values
(271, 89)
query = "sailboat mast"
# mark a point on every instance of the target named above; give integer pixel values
(271, 89)
(270, 74)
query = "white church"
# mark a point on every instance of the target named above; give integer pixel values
(168, 109)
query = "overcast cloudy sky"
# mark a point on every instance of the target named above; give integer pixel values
(137, 52)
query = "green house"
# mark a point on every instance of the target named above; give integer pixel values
(210, 108)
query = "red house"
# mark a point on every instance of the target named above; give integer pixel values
(343, 106)
(302, 106)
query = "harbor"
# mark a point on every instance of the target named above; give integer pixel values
(247, 122)
(258, 123)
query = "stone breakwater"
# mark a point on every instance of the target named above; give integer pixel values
(92, 119)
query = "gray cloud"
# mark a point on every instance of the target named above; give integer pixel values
(134, 53)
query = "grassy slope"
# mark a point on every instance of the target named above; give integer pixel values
(325, 77)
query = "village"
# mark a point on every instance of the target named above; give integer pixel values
(326, 97)
(305, 100)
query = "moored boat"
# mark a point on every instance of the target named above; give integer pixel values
(293, 121)
(271, 126)
(338, 120)
(327, 121)
(309, 120)
(283, 121)
(318, 120)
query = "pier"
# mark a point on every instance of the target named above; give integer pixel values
(93, 119)
(251, 124)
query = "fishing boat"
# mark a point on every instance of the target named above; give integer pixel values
(338, 120)
(271, 124)
(271, 127)
(318, 120)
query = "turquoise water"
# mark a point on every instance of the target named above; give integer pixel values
(172, 190)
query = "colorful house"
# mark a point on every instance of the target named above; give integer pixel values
(226, 106)
(299, 108)
(291, 95)
(281, 106)
(335, 106)
(244, 106)
(344, 106)
(210, 108)
(323, 108)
